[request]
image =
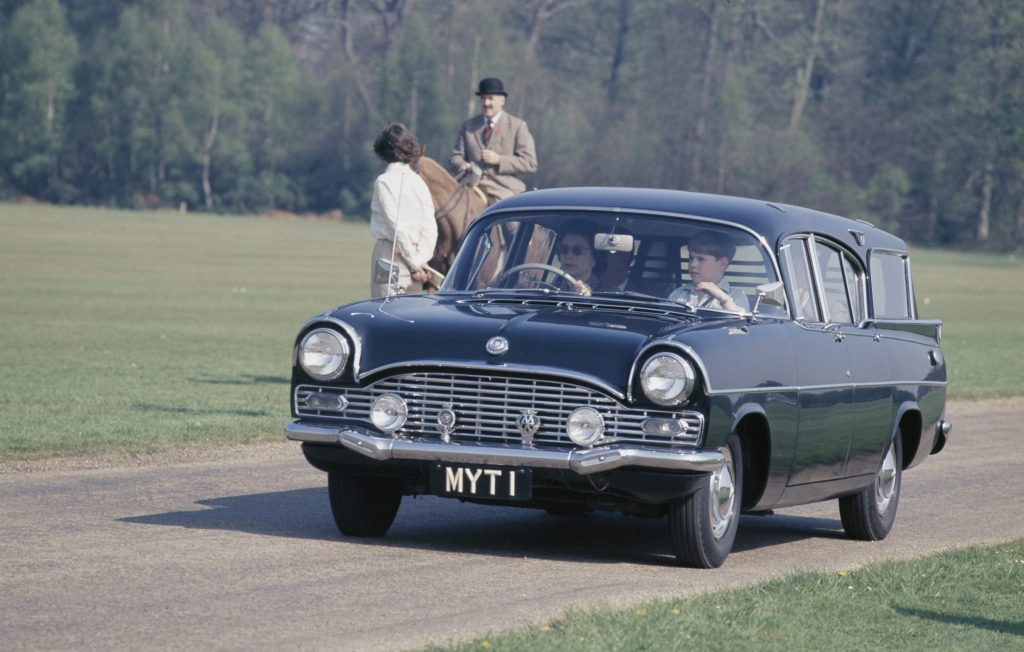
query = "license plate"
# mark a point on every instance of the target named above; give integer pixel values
(475, 481)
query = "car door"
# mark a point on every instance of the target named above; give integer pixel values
(825, 393)
(843, 288)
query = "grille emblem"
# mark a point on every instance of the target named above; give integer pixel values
(529, 424)
(446, 421)
(497, 345)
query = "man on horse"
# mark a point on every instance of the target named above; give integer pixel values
(499, 143)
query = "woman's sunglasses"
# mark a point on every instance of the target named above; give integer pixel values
(577, 250)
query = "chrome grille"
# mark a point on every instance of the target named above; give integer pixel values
(488, 408)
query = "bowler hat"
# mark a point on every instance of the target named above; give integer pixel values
(491, 86)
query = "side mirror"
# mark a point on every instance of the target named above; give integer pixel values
(770, 294)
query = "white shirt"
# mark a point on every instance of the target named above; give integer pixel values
(493, 122)
(689, 295)
(399, 188)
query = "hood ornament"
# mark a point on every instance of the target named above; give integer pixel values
(446, 419)
(497, 345)
(528, 423)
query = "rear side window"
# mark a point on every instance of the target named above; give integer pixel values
(841, 282)
(890, 285)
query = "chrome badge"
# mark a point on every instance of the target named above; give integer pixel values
(529, 424)
(497, 345)
(446, 421)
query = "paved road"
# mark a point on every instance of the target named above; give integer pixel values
(244, 554)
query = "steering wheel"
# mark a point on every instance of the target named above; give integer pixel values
(569, 278)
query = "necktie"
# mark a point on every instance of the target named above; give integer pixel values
(488, 130)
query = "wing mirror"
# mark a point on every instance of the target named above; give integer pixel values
(770, 294)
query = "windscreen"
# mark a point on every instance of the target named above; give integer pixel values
(614, 254)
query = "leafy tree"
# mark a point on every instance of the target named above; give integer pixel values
(37, 59)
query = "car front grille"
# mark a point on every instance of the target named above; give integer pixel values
(488, 408)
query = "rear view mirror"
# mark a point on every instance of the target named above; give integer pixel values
(613, 242)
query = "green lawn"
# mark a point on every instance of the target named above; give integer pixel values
(975, 295)
(141, 331)
(967, 599)
(148, 330)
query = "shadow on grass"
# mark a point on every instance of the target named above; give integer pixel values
(177, 409)
(244, 380)
(444, 525)
(1000, 626)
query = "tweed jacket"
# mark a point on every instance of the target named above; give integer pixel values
(511, 140)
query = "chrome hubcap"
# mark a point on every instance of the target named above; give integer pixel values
(886, 481)
(722, 496)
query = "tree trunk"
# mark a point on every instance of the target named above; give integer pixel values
(700, 129)
(985, 213)
(804, 74)
(618, 56)
(208, 143)
(350, 55)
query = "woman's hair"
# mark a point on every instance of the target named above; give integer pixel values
(396, 144)
(582, 228)
(587, 230)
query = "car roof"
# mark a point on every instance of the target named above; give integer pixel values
(772, 220)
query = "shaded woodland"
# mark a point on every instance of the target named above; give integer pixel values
(906, 113)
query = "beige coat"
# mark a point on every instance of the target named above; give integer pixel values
(511, 140)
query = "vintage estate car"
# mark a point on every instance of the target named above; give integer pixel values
(801, 374)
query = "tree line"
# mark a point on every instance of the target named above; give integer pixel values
(906, 113)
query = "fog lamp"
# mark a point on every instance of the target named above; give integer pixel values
(388, 412)
(585, 426)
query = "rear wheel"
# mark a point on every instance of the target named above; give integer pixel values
(703, 525)
(869, 515)
(362, 506)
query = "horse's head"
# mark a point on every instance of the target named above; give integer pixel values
(441, 184)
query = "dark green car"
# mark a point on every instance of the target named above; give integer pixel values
(651, 352)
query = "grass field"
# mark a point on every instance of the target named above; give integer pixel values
(967, 599)
(141, 331)
(148, 330)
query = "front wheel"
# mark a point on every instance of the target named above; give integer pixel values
(869, 515)
(362, 506)
(703, 525)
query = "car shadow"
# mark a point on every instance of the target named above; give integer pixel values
(443, 525)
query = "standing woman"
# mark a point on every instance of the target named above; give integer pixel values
(401, 214)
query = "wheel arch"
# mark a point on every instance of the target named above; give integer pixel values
(909, 430)
(751, 425)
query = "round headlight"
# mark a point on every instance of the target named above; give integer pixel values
(323, 354)
(585, 426)
(388, 412)
(667, 379)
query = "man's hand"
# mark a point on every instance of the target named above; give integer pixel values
(491, 157)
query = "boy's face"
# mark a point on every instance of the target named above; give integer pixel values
(705, 267)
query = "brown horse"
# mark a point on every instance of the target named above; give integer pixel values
(455, 206)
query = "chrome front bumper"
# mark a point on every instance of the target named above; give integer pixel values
(582, 461)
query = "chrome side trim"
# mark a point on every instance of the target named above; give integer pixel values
(581, 461)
